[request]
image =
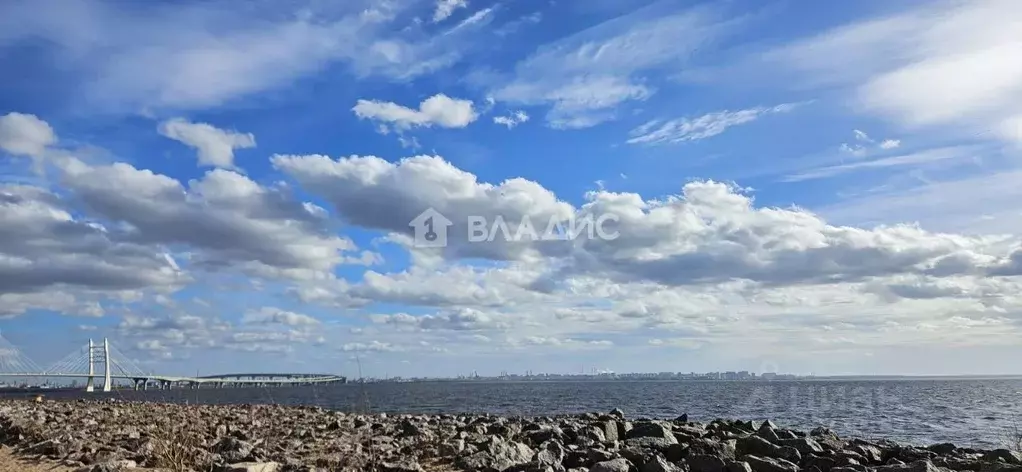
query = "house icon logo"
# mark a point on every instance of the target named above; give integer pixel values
(430, 229)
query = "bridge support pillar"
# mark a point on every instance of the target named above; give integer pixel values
(107, 384)
(89, 387)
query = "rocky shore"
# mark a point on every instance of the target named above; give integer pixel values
(113, 435)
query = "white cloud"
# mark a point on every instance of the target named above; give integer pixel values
(444, 9)
(514, 119)
(272, 315)
(945, 64)
(929, 156)
(215, 146)
(439, 110)
(890, 144)
(172, 58)
(25, 135)
(586, 77)
(693, 129)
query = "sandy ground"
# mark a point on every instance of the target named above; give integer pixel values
(10, 463)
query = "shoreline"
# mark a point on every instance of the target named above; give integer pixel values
(104, 434)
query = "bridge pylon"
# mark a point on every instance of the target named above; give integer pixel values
(103, 353)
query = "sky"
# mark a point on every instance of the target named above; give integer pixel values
(792, 186)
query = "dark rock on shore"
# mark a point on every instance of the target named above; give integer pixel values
(109, 436)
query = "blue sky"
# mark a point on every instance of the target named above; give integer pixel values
(810, 187)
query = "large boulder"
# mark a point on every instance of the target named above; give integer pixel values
(659, 464)
(769, 464)
(651, 430)
(758, 446)
(615, 465)
(805, 446)
(1003, 455)
(705, 463)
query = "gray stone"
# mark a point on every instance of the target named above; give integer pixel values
(406, 465)
(705, 463)
(659, 464)
(738, 466)
(611, 430)
(917, 466)
(1003, 455)
(252, 467)
(758, 446)
(616, 465)
(805, 446)
(599, 455)
(769, 464)
(550, 453)
(651, 430)
(659, 444)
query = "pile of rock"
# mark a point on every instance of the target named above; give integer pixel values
(267, 438)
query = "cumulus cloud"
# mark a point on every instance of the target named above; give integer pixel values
(514, 119)
(272, 315)
(444, 9)
(439, 110)
(387, 196)
(228, 217)
(679, 130)
(25, 135)
(215, 146)
(44, 246)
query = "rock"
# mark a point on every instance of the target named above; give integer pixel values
(616, 465)
(550, 453)
(769, 464)
(651, 430)
(768, 433)
(820, 462)
(758, 446)
(659, 464)
(406, 465)
(599, 455)
(738, 466)
(805, 446)
(636, 455)
(822, 431)
(611, 430)
(1003, 455)
(682, 419)
(723, 449)
(917, 466)
(252, 467)
(498, 455)
(872, 453)
(705, 463)
(233, 450)
(658, 444)
(109, 466)
(942, 448)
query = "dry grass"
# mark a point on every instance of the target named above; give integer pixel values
(176, 450)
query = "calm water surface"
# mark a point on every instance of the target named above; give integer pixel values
(966, 412)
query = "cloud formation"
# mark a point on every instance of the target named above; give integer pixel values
(438, 110)
(657, 132)
(215, 146)
(25, 135)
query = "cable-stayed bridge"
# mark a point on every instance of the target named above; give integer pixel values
(103, 361)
